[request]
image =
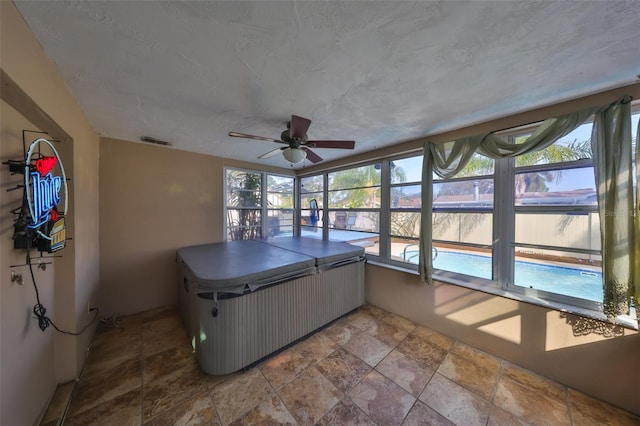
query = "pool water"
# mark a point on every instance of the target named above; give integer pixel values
(574, 282)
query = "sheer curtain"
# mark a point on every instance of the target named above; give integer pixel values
(612, 155)
(445, 160)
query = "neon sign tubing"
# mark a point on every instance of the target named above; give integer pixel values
(27, 174)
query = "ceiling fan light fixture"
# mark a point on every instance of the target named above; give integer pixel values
(294, 155)
(298, 144)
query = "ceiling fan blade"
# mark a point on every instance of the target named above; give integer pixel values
(331, 144)
(271, 153)
(260, 138)
(312, 156)
(299, 127)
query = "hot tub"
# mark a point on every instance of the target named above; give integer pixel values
(242, 300)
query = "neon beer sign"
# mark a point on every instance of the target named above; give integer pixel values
(41, 223)
(45, 192)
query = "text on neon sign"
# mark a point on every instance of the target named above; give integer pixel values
(46, 195)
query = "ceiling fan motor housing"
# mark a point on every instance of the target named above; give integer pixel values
(294, 141)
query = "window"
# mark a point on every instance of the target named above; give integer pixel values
(463, 220)
(246, 214)
(280, 199)
(311, 205)
(244, 204)
(405, 203)
(353, 210)
(527, 225)
(556, 237)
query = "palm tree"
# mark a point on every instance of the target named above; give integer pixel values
(359, 188)
(529, 182)
(405, 224)
(556, 153)
(244, 194)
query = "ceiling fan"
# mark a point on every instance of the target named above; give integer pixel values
(295, 137)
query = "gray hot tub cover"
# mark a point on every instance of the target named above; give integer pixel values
(237, 266)
(328, 254)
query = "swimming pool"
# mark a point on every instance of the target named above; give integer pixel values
(575, 282)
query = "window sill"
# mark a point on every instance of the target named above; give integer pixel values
(626, 321)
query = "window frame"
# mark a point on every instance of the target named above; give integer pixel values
(507, 217)
(446, 274)
(270, 209)
(503, 228)
(329, 210)
(321, 207)
(264, 207)
(388, 185)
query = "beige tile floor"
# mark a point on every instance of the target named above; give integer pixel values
(370, 367)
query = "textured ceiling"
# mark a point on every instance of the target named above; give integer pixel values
(376, 72)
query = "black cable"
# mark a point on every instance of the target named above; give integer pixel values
(41, 313)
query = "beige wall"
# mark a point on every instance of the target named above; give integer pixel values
(33, 363)
(540, 339)
(27, 354)
(154, 200)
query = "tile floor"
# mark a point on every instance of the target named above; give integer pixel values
(370, 367)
